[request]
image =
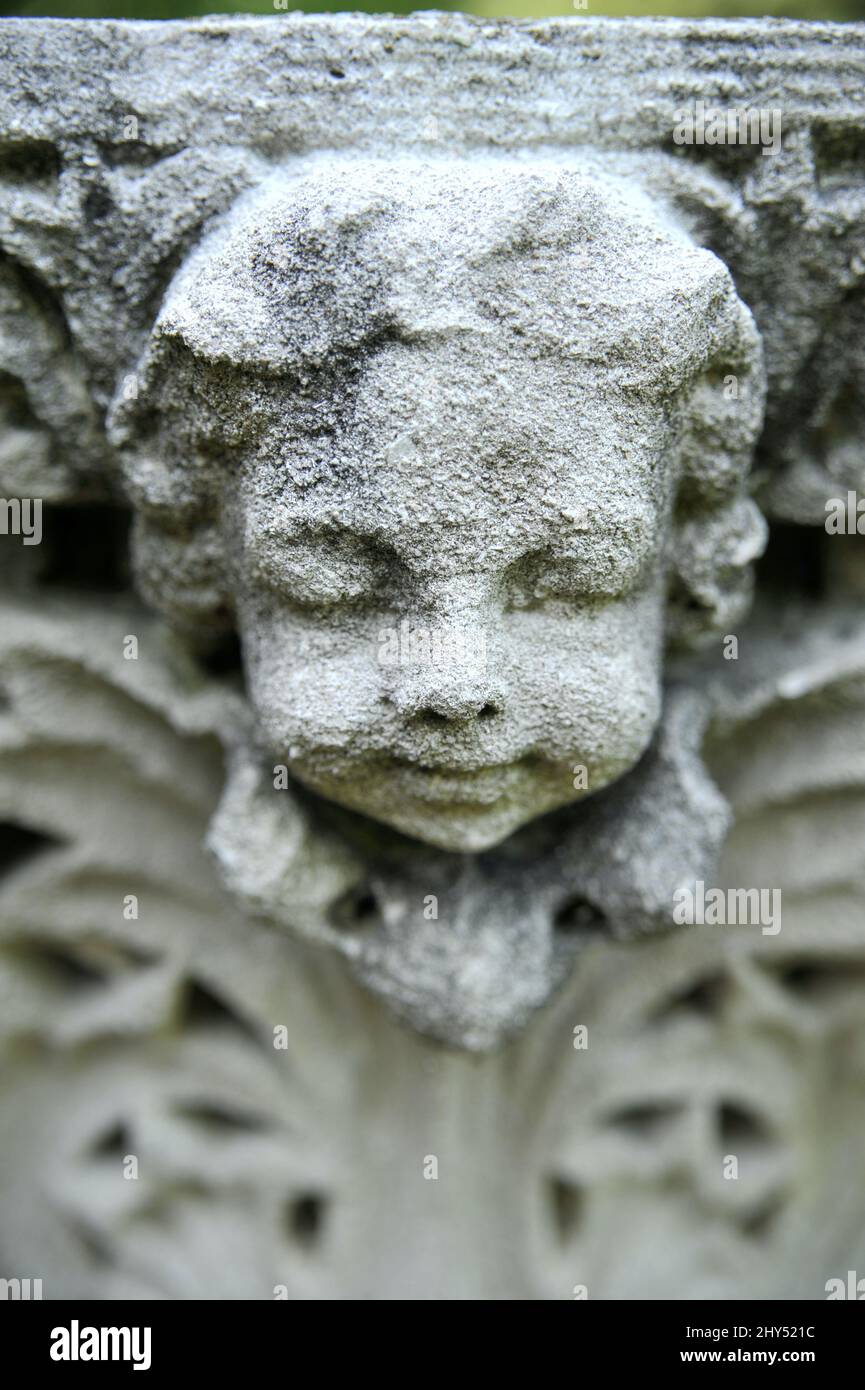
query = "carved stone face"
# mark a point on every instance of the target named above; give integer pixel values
(457, 419)
(444, 642)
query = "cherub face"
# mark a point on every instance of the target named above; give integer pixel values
(462, 627)
(423, 432)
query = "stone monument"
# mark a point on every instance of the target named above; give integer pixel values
(432, 758)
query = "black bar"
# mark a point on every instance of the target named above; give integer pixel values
(248, 1338)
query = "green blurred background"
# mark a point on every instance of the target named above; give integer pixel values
(535, 9)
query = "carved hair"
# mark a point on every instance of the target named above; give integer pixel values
(309, 277)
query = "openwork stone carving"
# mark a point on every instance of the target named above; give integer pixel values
(471, 422)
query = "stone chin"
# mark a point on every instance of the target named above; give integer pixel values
(460, 811)
(462, 828)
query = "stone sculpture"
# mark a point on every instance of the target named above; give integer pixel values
(471, 422)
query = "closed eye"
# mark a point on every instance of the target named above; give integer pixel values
(603, 571)
(322, 569)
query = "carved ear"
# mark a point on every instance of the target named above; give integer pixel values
(712, 581)
(719, 531)
(171, 467)
(183, 576)
(723, 413)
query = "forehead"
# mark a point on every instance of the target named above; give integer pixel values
(569, 258)
(479, 455)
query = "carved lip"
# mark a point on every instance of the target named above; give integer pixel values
(446, 783)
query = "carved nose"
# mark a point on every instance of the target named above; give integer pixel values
(447, 702)
(453, 709)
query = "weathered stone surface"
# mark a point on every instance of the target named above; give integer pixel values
(103, 209)
(434, 431)
(425, 362)
(304, 1166)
